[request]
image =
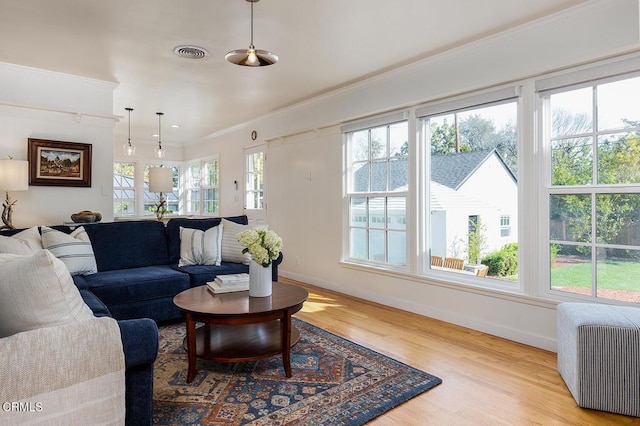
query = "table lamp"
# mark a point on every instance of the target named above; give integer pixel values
(161, 180)
(14, 176)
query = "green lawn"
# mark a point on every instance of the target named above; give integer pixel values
(614, 275)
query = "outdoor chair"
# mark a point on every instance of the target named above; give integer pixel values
(453, 263)
(482, 272)
(437, 261)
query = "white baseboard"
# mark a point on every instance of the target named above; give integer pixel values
(454, 317)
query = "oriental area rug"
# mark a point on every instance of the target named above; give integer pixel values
(334, 382)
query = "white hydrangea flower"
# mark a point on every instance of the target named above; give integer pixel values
(262, 244)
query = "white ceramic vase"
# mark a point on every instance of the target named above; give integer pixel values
(259, 280)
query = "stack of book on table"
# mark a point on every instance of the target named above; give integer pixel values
(229, 283)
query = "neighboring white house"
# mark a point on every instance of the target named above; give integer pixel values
(472, 187)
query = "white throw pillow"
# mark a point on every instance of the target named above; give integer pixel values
(200, 247)
(231, 248)
(37, 291)
(73, 249)
(24, 242)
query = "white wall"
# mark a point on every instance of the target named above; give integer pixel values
(47, 105)
(305, 170)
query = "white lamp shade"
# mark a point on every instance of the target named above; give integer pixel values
(14, 175)
(161, 179)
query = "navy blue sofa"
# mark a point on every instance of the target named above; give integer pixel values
(138, 276)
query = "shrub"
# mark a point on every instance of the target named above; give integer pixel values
(503, 262)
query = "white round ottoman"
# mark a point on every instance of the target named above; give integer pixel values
(599, 355)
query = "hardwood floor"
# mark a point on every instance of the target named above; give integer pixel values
(487, 380)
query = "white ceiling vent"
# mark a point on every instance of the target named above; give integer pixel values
(191, 52)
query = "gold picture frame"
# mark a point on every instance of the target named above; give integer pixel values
(58, 163)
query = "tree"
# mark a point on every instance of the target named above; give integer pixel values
(443, 139)
(572, 164)
(475, 133)
(477, 242)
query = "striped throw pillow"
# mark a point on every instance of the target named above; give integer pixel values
(231, 248)
(74, 249)
(200, 247)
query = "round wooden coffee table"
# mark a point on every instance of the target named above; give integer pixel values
(238, 327)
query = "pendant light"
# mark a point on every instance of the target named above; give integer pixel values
(128, 148)
(251, 57)
(159, 151)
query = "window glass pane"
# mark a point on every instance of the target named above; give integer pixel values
(617, 219)
(377, 245)
(379, 175)
(397, 213)
(193, 201)
(358, 244)
(617, 104)
(572, 161)
(360, 179)
(378, 145)
(377, 217)
(254, 199)
(399, 174)
(358, 212)
(571, 268)
(359, 146)
(398, 139)
(572, 112)
(570, 217)
(194, 175)
(617, 272)
(443, 134)
(123, 202)
(618, 158)
(123, 175)
(210, 174)
(397, 247)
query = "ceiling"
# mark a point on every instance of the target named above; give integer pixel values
(322, 45)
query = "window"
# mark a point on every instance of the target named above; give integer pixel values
(592, 141)
(471, 187)
(151, 199)
(202, 187)
(254, 188)
(377, 164)
(505, 226)
(124, 191)
(131, 196)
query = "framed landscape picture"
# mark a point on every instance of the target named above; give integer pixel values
(56, 163)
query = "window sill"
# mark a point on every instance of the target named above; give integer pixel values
(443, 279)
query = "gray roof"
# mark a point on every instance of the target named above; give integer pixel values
(453, 170)
(450, 170)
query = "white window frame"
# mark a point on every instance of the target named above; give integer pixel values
(127, 188)
(349, 194)
(590, 76)
(459, 104)
(255, 213)
(186, 179)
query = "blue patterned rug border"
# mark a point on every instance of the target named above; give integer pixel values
(424, 382)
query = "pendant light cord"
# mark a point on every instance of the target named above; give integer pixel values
(129, 110)
(252, 24)
(159, 130)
